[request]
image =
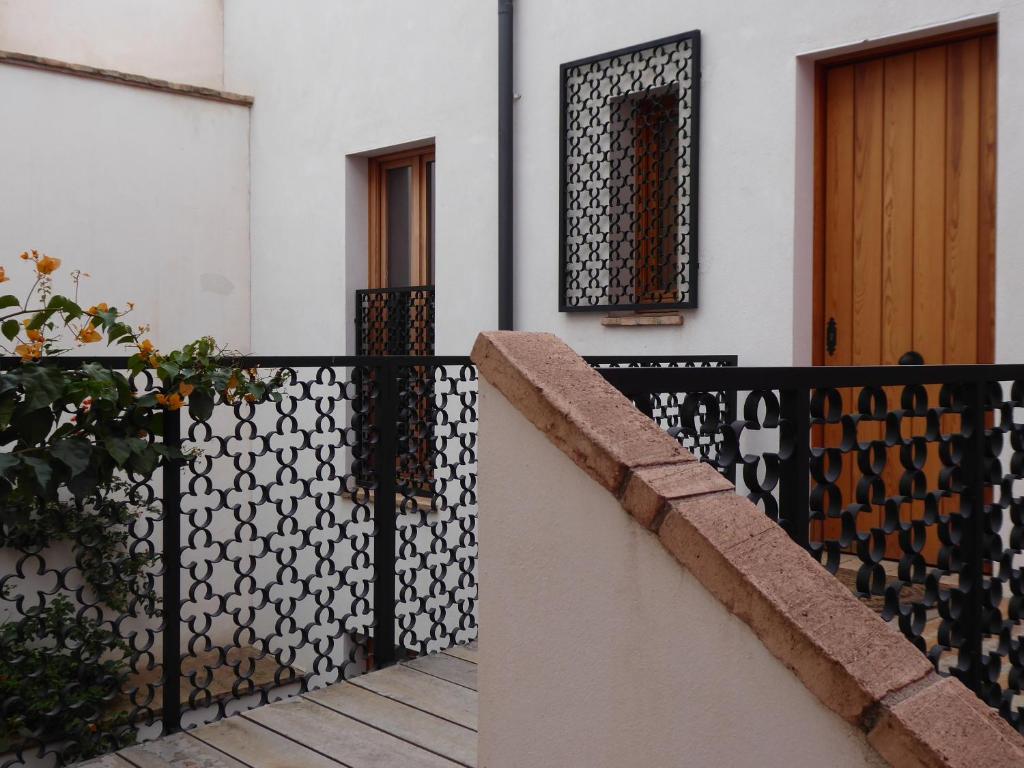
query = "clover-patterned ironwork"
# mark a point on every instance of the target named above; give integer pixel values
(317, 537)
(902, 481)
(628, 187)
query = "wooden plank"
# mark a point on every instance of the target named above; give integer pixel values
(443, 737)
(897, 248)
(929, 203)
(348, 740)
(839, 209)
(929, 330)
(465, 652)
(866, 304)
(104, 761)
(987, 204)
(898, 210)
(431, 694)
(962, 140)
(179, 749)
(446, 667)
(839, 164)
(261, 747)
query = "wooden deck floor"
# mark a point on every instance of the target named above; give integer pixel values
(418, 713)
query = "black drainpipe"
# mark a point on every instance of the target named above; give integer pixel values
(506, 97)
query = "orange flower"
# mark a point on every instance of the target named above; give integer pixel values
(101, 307)
(24, 256)
(232, 383)
(34, 334)
(170, 402)
(3, 275)
(185, 389)
(146, 347)
(47, 265)
(88, 335)
(29, 352)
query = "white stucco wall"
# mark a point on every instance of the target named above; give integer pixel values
(335, 80)
(181, 40)
(599, 649)
(146, 191)
(756, 151)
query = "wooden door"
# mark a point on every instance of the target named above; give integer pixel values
(906, 224)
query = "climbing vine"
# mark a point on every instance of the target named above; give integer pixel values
(76, 440)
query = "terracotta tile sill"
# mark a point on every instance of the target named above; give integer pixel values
(624, 319)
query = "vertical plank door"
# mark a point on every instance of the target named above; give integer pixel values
(907, 235)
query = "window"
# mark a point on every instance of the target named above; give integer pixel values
(629, 178)
(395, 315)
(401, 198)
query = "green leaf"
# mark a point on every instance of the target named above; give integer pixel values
(32, 426)
(200, 405)
(43, 385)
(65, 305)
(118, 448)
(39, 318)
(167, 370)
(10, 329)
(9, 301)
(8, 403)
(144, 463)
(7, 461)
(42, 469)
(83, 484)
(74, 452)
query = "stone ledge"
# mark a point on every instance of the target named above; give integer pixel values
(942, 723)
(857, 665)
(122, 78)
(633, 319)
(559, 393)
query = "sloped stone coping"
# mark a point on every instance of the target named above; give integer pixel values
(123, 78)
(857, 665)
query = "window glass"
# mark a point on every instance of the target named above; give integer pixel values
(398, 190)
(430, 220)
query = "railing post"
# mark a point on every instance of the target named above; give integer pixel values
(384, 536)
(972, 501)
(794, 479)
(172, 575)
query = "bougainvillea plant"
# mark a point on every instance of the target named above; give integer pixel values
(72, 437)
(77, 428)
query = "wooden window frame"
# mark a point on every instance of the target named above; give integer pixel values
(377, 266)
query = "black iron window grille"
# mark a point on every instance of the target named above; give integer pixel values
(629, 157)
(395, 321)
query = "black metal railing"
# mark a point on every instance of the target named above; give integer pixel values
(265, 564)
(902, 481)
(300, 543)
(395, 321)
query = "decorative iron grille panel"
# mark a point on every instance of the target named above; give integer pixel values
(279, 558)
(904, 482)
(395, 321)
(629, 157)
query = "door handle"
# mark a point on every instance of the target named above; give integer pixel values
(830, 336)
